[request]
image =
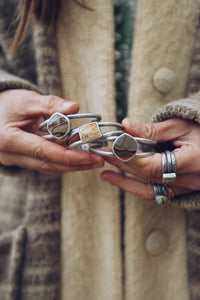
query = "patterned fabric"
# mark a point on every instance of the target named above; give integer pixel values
(194, 76)
(191, 111)
(30, 207)
(124, 23)
(124, 20)
(193, 233)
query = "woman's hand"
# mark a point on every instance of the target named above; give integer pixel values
(184, 135)
(20, 113)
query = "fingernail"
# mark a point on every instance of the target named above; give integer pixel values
(128, 122)
(97, 160)
(68, 104)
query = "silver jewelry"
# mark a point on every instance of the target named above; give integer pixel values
(168, 166)
(92, 131)
(59, 125)
(160, 193)
(124, 146)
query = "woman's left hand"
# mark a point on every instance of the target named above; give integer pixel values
(184, 135)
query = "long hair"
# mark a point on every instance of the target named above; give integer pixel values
(45, 11)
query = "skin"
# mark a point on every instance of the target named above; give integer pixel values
(184, 135)
(21, 111)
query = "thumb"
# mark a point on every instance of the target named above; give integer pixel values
(31, 103)
(51, 104)
(161, 131)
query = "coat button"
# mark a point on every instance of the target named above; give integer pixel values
(117, 55)
(164, 80)
(156, 242)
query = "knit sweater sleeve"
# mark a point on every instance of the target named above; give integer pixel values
(188, 109)
(9, 80)
(12, 81)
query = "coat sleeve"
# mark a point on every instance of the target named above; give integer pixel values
(188, 109)
(8, 80)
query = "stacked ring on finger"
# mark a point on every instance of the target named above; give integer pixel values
(162, 193)
(124, 146)
(168, 166)
(58, 126)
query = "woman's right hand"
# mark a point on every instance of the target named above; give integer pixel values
(21, 111)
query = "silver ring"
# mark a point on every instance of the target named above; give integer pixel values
(160, 193)
(124, 146)
(168, 166)
(59, 126)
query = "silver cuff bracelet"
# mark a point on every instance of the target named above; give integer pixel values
(59, 126)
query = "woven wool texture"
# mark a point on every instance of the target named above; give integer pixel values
(93, 265)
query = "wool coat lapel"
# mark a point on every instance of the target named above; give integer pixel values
(155, 258)
(163, 42)
(93, 225)
(91, 222)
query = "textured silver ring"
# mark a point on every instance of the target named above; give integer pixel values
(160, 193)
(168, 166)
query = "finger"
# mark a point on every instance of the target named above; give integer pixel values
(46, 167)
(161, 131)
(187, 159)
(147, 169)
(187, 162)
(149, 173)
(142, 189)
(51, 104)
(35, 105)
(150, 168)
(188, 181)
(132, 185)
(36, 147)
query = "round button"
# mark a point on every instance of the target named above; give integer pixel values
(117, 55)
(156, 242)
(164, 80)
(118, 37)
(118, 76)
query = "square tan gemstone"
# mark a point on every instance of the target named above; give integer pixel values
(90, 132)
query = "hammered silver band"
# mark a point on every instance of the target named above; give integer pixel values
(168, 166)
(160, 193)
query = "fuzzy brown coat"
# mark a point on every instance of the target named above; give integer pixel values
(145, 256)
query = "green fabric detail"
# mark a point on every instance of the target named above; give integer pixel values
(124, 22)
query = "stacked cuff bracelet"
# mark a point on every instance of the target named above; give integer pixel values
(92, 131)
(93, 136)
(59, 126)
(124, 146)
